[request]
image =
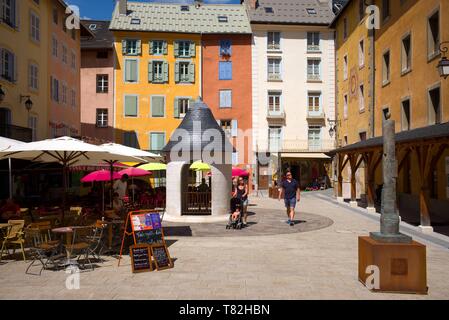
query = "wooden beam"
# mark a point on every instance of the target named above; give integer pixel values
(404, 159)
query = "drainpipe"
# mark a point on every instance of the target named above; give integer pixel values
(372, 36)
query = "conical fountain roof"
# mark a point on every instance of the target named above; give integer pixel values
(197, 121)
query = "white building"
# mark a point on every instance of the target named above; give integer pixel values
(293, 89)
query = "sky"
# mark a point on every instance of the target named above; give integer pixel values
(102, 9)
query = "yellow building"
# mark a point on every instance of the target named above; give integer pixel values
(408, 87)
(157, 75)
(23, 68)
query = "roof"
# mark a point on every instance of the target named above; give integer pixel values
(102, 37)
(425, 133)
(338, 15)
(292, 12)
(198, 120)
(163, 17)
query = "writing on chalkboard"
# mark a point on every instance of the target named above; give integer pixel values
(141, 258)
(161, 257)
(149, 236)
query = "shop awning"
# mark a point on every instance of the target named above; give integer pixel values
(305, 155)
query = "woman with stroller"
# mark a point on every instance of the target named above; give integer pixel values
(241, 193)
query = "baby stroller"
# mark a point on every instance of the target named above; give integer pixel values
(237, 224)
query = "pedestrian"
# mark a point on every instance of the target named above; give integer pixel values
(241, 193)
(292, 194)
(121, 186)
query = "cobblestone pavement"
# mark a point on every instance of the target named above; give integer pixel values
(319, 264)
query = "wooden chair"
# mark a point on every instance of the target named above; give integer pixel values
(81, 242)
(14, 236)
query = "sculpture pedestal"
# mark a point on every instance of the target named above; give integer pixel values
(402, 266)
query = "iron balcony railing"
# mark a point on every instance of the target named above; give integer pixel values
(302, 145)
(15, 132)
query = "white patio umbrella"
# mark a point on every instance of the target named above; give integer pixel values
(68, 152)
(121, 149)
(6, 143)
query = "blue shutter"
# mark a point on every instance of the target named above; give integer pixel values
(229, 70)
(225, 70)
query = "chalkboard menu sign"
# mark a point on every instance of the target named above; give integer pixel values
(141, 258)
(149, 236)
(161, 257)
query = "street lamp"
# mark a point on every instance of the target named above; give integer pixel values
(2, 94)
(333, 127)
(443, 65)
(28, 102)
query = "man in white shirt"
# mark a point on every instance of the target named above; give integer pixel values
(121, 186)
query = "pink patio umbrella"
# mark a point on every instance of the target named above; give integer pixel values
(238, 172)
(101, 176)
(134, 172)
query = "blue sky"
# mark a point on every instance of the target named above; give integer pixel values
(102, 9)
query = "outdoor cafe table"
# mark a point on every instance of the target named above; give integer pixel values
(69, 232)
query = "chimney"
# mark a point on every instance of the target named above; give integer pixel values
(122, 6)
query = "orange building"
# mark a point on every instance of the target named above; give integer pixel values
(227, 89)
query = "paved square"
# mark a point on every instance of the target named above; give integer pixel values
(317, 264)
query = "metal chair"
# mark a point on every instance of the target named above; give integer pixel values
(41, 250)
(14, 236)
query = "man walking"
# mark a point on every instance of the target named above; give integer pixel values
(292, 194)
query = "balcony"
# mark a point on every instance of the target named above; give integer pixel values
(316, 116)
(15, 132)
(274, 77)
(276, 117)
(313, 77)
(313, 48)
(303, 145)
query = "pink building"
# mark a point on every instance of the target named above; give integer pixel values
(97, 86)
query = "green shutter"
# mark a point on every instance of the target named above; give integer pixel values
(133, 71)
(157, 106)
(192, 49)
(150, 71)
(177, 72)
(192, 72)
(165, 69)
(176, 48)
(124, 49)
(176, 108)
(139, 47)
(151, 45)
(131, 106)
(127, 70)
(165, 47)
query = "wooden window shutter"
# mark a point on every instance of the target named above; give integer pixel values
(139, 47)
(165, 47)
(192, 49)
(150, 71)
(177, 72)
(165, 70)
(192, 72)
(176, 48)
(176, 108)
(151, 45)
(124, 47)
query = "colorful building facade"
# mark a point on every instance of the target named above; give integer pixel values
(97, 83)
(409, 89)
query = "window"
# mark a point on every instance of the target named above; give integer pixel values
(274, 40)
(7, 65)
(184, 49)
(157, 106)
(131, 47)
(73, 99)
(131, 106)
(32, 124)
(311, 11)
(181, 107)
(184, 72)
(54, 43)
(131, 70)
(64, 54)
(102, 83)
(274, 139)
(406, 54)
(362, 136)
(226, 125)
(235, 158)
(102, 55)
(361, 53)
(313, 41)
(102, 118)
(314, 137)
(362, 97)
(385, 9)
(314, 104)
(157, 141)
(405, 115)
(54, 89)
(313, 69)
(64, 93)
(158, 71)
(222, 19)
(434, 106)
(225, 48)
(385, 113)
(433, 35)
(345, 106)
(33, 77)
(225, 98)
(274, 69)
(345, 67)
(386, 68)
(8, 12)
(274, 103)
(34, 27)
(225, 70)
(130, 139)
(158, 47)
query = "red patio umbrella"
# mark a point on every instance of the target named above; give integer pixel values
(101, 176)
(239, 172)
(134, 172)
